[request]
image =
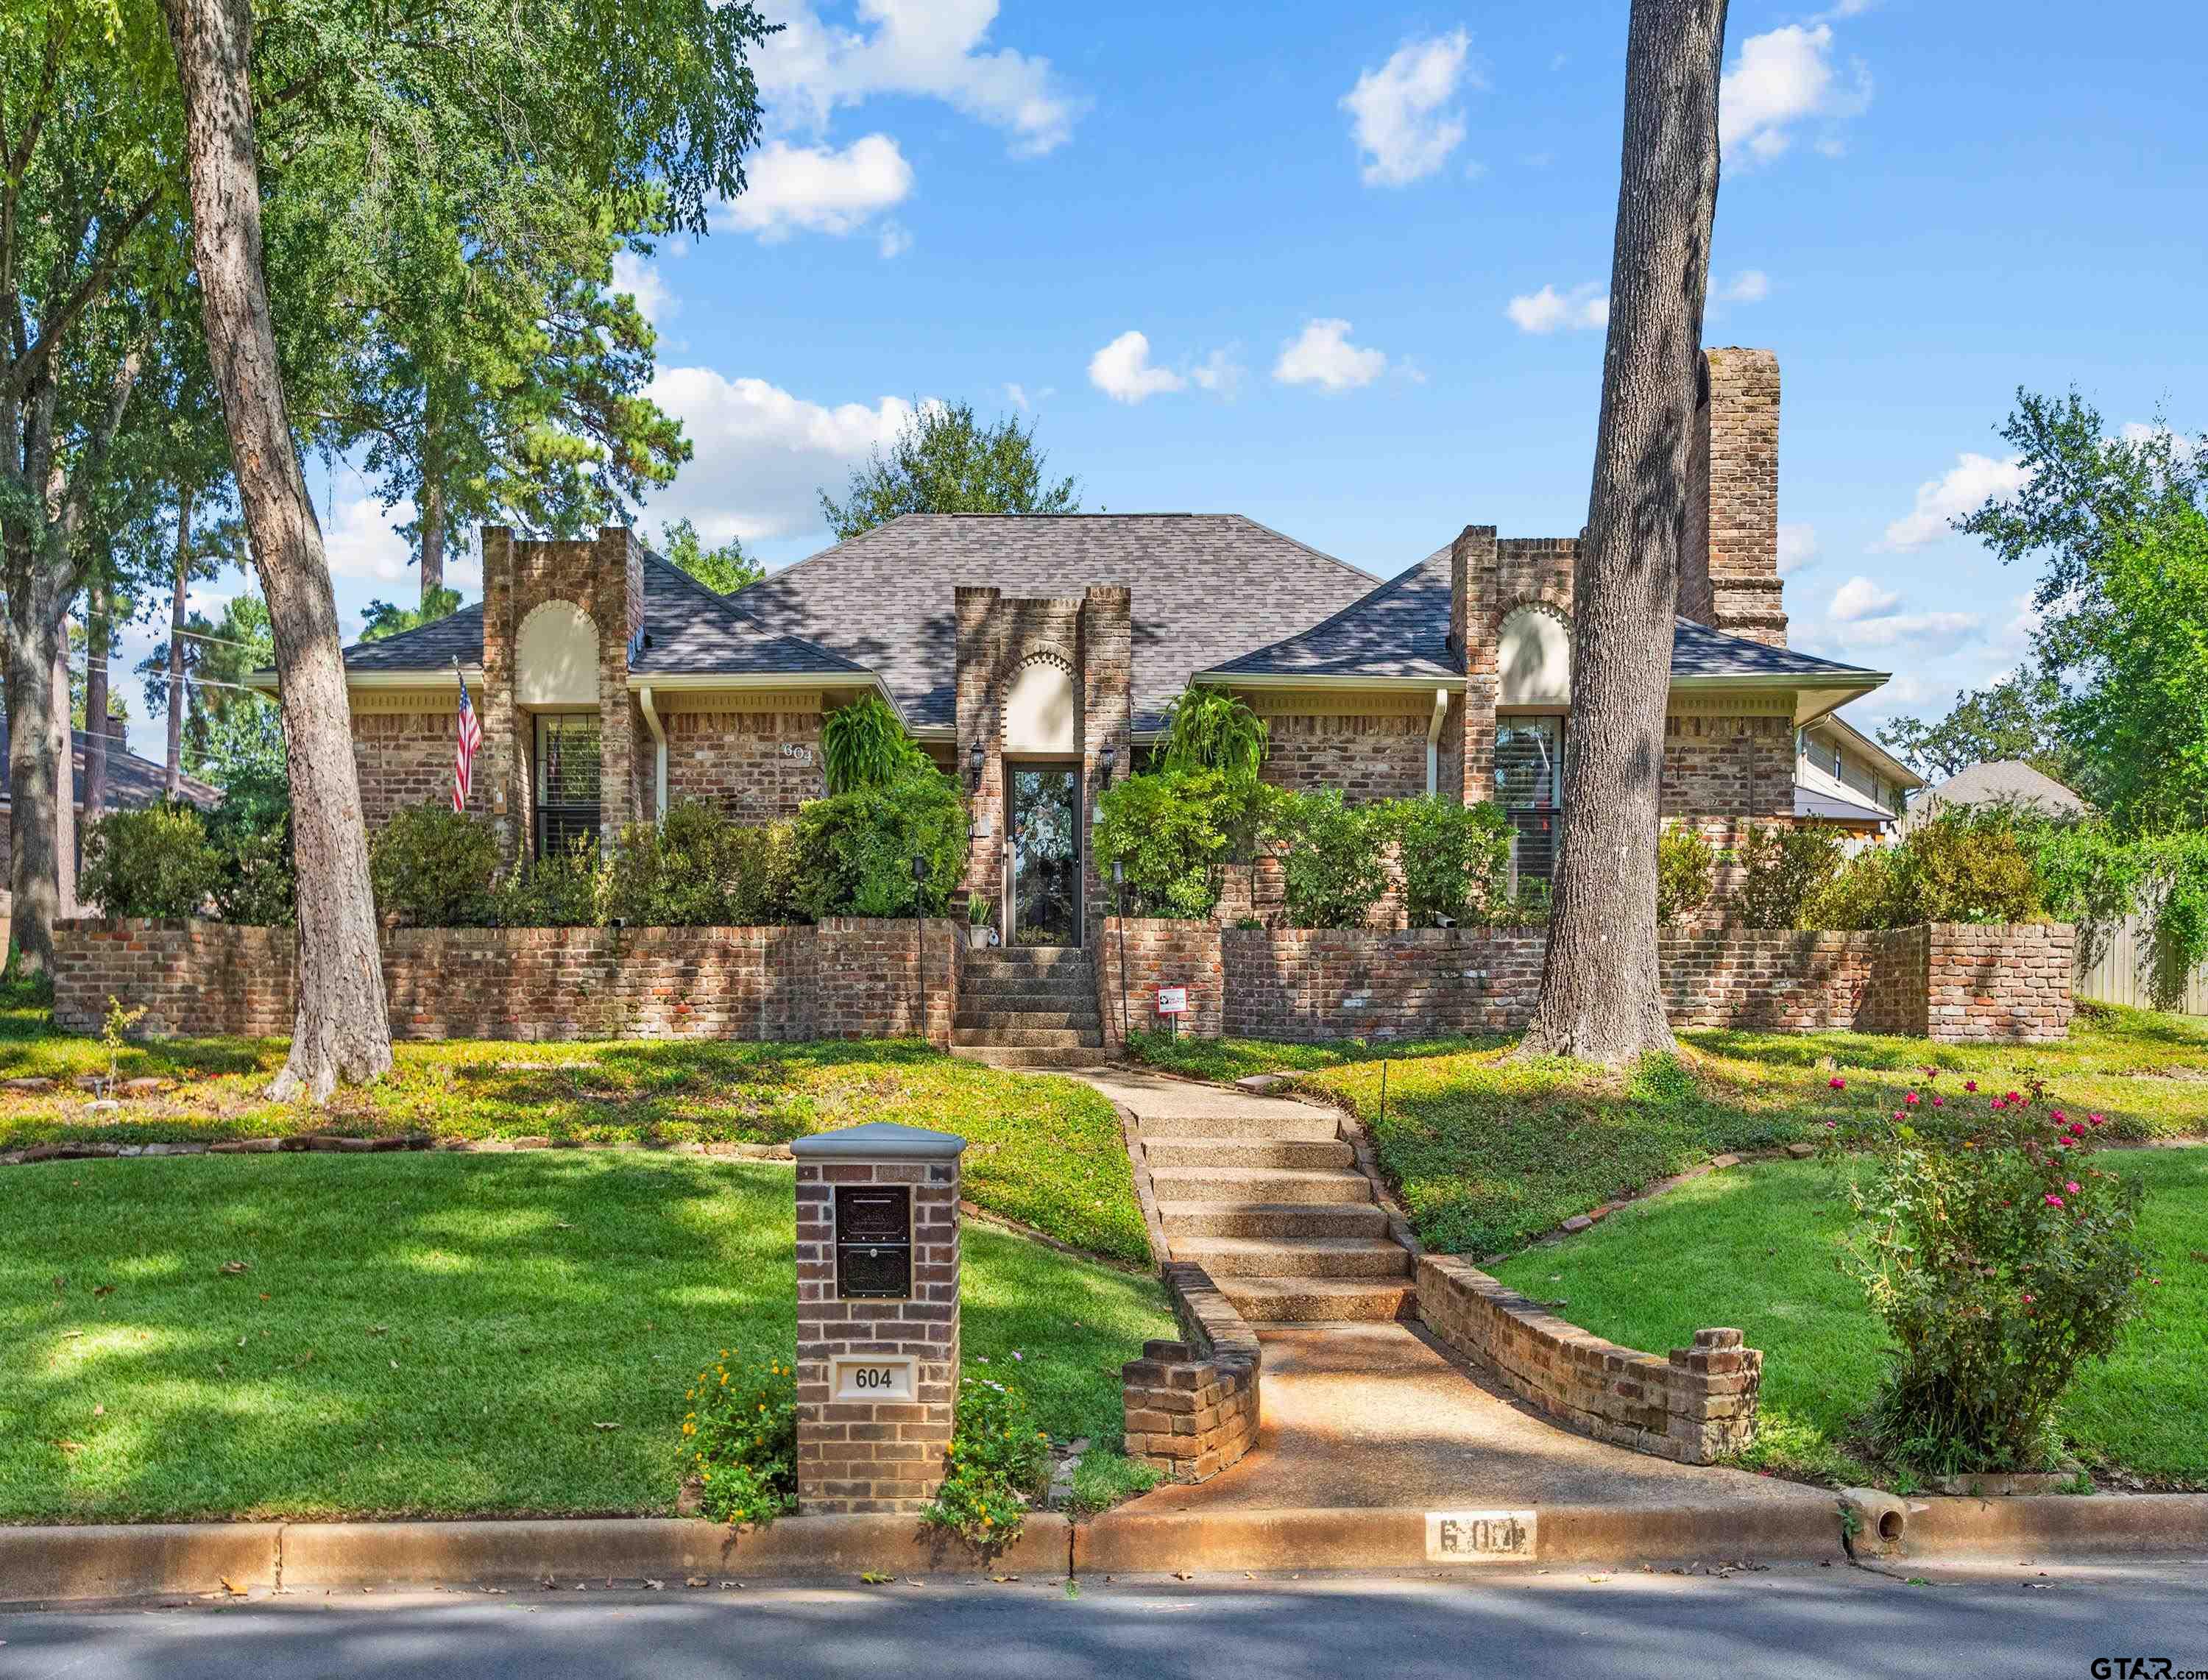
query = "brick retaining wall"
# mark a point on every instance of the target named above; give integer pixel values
(1696, 1406)
(1192, 1406)
(1954, 982)
(848, 977)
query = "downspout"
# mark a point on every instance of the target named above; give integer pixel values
(1434, 742)
(659, 754)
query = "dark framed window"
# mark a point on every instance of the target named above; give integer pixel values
(1529, 782)
(566, 781)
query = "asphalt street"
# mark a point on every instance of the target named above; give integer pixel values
(1791, 1623)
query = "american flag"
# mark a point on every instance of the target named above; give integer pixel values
(469, 736)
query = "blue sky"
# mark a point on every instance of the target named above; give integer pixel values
(1364, 250)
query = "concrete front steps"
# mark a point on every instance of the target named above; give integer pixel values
(1029, 1007)
(1266, 1197)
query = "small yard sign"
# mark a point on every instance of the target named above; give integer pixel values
(1173, 1000)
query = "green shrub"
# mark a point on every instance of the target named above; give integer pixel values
(251, 833)
(565, 889)
(1169, 830)
(997, 1463)
(855, 850)
(862, 745)
(1868, 891)
(695, 868)
(741, 1431)
(2001, 1258)
(1335, 862)
(1455, 860)
(1686, 872)
(1962, 867)
(432, 867)
(1786, 869)
(153, 863)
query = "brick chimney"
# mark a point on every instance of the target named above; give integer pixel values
(1471, 724)
(1729, 566)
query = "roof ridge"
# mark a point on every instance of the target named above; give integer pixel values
(1315, 554)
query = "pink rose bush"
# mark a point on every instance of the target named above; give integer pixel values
(2000, 1256)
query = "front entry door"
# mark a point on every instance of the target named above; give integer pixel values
(1046, 854)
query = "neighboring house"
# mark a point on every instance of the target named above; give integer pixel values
(1031, 656)
(2004, 782)
(133, 783)
(1845, 780)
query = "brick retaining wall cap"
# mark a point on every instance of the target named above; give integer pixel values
(879, 1140)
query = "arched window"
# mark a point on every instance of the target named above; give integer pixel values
(1533, 659)
(555, 656)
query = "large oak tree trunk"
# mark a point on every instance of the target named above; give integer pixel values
(35, 773)
(98, 626)
(175, 763)
(341, 1030)
(57, 676)
(1601, 997)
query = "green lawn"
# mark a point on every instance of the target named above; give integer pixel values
(1046, 1151)
(1488, 1151)
(438, 1335)
(1758, 1248)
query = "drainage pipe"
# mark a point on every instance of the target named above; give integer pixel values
(659, 754)
(1434, 741)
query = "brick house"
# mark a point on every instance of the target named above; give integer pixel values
(1032, 657)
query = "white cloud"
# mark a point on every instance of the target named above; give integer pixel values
(762, 454)
(1545, 311)
(1860, 598)
(1891, 628)
(1400, 114)
(820, 190)
(360, 539)
(1750, 285)
(640, 279)
(1321, 355)
(896, 239)
(927, 49)
(1780, 80)
(1017, 395)
(1797, 549)
(1220, 373)
(1123, 371)
(1963, 488)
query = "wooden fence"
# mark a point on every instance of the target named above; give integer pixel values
(2116, 964)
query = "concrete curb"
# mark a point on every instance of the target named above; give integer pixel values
(126, 1560)
(1960, 1527)
(137, 1560)
(57, 1564)
(1129, 1542)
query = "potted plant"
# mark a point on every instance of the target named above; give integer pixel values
(980, 931)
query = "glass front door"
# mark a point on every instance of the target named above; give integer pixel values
(1046, 854)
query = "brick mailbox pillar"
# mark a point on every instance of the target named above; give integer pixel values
(877, 1315)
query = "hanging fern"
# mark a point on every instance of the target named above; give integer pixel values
(862, 745)
(1208, 728)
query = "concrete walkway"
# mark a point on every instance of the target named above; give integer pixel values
(1375, 1415)
(1368, 1415)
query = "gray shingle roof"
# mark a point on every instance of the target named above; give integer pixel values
(1200, 582)
(1399, 629)
(133, 782)
(1402, 629)
(689, 630)
(2003, 781)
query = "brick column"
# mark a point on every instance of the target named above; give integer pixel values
(1108, 676)
(980, 655)
(877, 1342)
(1472, 637)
